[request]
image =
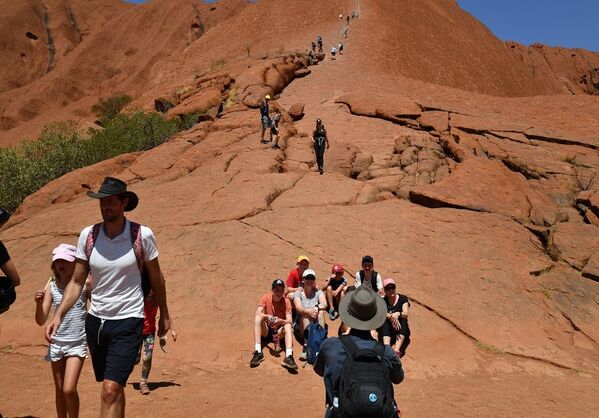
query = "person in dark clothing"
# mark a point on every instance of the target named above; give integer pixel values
(265, 118)
(274, 129)
(6, 264)
(313, 47)
(319, 42)
(320, 141)
(363, 311)
(395, 331)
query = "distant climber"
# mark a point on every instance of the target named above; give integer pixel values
(333, 52)
(313, 47)
(264, 117)
(274, 129)
(340, 48)
(345, 31)
(320, 141)
(319, 42)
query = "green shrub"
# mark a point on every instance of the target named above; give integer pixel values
(107, 109)
(60, 149)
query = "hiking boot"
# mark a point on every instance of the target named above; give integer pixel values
(321, 171)
(289, 363)
(257, 358)
(263, 141)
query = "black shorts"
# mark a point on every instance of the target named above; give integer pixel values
(113, 346)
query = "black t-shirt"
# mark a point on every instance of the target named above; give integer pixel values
(264, 111)
(397, 306)
(4, 256)
(320, 136)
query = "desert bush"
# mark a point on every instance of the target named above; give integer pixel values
(61, 148)
(107, 109)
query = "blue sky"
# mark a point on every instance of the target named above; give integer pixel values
(571, 24)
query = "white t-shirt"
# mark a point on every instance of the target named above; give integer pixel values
(116, 290)
(379, 281)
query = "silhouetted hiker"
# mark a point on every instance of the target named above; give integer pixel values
(320, 141)
(272, 322)
(274, 129)
(264, 117)
(310, 58)
(12, 279)
(358, 371)
(347, 18)
(319, 41)
(395, 331)
(313, 47)
(340, 48)
(368, 277)
(68, 349)
(345, 31)
(333, 52)
(334, 289)
(117, 253)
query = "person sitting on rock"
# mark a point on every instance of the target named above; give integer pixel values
(310, 304)
(368, 277)
(265, 117)
(320, 141)
(334, 288)
(395, 331)
(272, 322)
(295, 275)
(274, 129)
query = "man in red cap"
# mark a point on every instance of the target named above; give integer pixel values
(335, 288)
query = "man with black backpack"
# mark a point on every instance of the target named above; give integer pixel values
(358, 371)
(117, 253)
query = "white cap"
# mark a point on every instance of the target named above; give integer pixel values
(309, 272)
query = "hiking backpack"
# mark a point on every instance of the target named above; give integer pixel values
(316, 336)
(365, 389)
(373, 281)
(319, 137)
(138, 249)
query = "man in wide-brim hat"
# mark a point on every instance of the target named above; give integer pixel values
(115, 252)
(363, 311)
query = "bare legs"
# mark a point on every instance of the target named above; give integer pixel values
(66, 376)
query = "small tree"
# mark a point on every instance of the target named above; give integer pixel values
(107, 109)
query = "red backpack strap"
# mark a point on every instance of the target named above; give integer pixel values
(138, 248)
(91, 240)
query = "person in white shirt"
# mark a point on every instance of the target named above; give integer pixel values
(368, 277)
(117, 253)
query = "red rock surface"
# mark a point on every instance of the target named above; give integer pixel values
(501, 269)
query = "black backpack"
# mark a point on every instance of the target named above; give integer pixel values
(374, 282)
(365, 389)
(319, 136)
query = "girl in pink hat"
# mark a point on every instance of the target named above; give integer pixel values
(68, 349)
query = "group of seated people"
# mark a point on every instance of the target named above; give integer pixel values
(292, 306)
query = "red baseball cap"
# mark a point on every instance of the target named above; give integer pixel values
(337, 268)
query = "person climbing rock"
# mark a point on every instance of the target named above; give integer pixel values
(333, 52)
(320, 141)
(340, 48)
(264, 117)
(319, 42)
(274, 129)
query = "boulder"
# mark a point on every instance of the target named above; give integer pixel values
(199, 103)
(591, 270)
(296, 111)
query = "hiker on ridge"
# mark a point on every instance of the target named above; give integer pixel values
(345, 362)
(319, 42)
(272, 322)
(117, 253)
(264, 117)
(319, 142)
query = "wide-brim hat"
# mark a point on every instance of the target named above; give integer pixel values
(113, 186)
(363, 309)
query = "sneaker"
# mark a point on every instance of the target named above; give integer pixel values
(289, 363)
(257, 358)
(304, 355)
(144, 388)
(321, 171)
(263, 141)
(332, 315)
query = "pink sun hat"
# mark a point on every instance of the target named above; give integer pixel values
(388, 281)
(65, 252)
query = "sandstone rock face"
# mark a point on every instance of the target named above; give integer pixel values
(575, 243)
(296, 111)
